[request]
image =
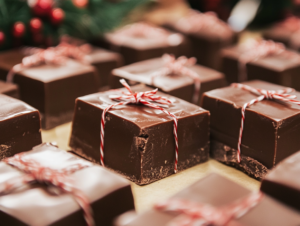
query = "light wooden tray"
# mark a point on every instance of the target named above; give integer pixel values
(146, 196)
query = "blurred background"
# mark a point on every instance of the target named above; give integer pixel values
(43, 22)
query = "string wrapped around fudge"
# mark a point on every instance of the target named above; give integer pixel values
(56, 180)
(147, 98)
(191, 213)
(179, 66)
(196, 21)
(144, 30)
(281, 95)
(41, 56)
(259, 49)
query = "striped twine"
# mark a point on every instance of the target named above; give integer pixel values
(192, 213)
(36, 173)
(144, 98)
(179, 66)
(263, 94)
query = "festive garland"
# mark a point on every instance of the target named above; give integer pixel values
(42, 22)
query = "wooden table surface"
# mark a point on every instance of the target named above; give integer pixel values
(146, 196)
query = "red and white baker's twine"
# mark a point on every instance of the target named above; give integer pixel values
(205, 214)
(145, 98)
(263, 48)
(142, 29)
(54, 55)
(179, 66)
(36, 173)
(47, 56)
(196, 21)
(281, 95)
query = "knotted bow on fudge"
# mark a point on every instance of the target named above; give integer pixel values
(77, 52)
(179, 66)
(192, 213)
(281, 95)
(144, 30)
(147, 98)
(56, 180)
(263, 48)
(196, 21)
(46, 56)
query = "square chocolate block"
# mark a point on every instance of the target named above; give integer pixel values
(181, 86)
(206, 36)
(107, 193)
(52, 89)
(282, 182)
(140, 41)
(215, 191)
(20, 125)
(9, 89)
(139, 141)
(282, 31)
(271, 128)
(282, 69)
(104, 61)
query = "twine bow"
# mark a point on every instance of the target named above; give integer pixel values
(196, 21)
(56, 180)
(262, 48)
(173, 66)
(281, 95)
(147, 98)
(47, 56)
(203, 214)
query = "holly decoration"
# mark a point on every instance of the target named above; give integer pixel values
(43, 22)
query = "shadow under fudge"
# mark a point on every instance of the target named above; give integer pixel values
(20, 125)
(110, 195)
(282, 182)
(139, 141)
(278, 69)
(180, 86)
(218, 191)
(271, 128)
(52, 89)
(143, 48)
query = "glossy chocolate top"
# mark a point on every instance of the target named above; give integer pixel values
(143, 71)
(144, 42)
(11, 107)
(35, 206)
(7, 87)
(44, 73)
(141, 115)
(279, 62)
(273, 109)
(218, 191)
(287, 172)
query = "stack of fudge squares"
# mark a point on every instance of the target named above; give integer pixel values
(147, 102)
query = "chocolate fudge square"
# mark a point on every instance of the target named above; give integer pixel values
(283, 183)
(135, 47)
(217, 191)
(109, 194)
(20, 126)
(271, 128)
(181, 86)
(9, 89)
(206, 42)
(52, 89)
(280, 69)
(104, 61)
(139, 141)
